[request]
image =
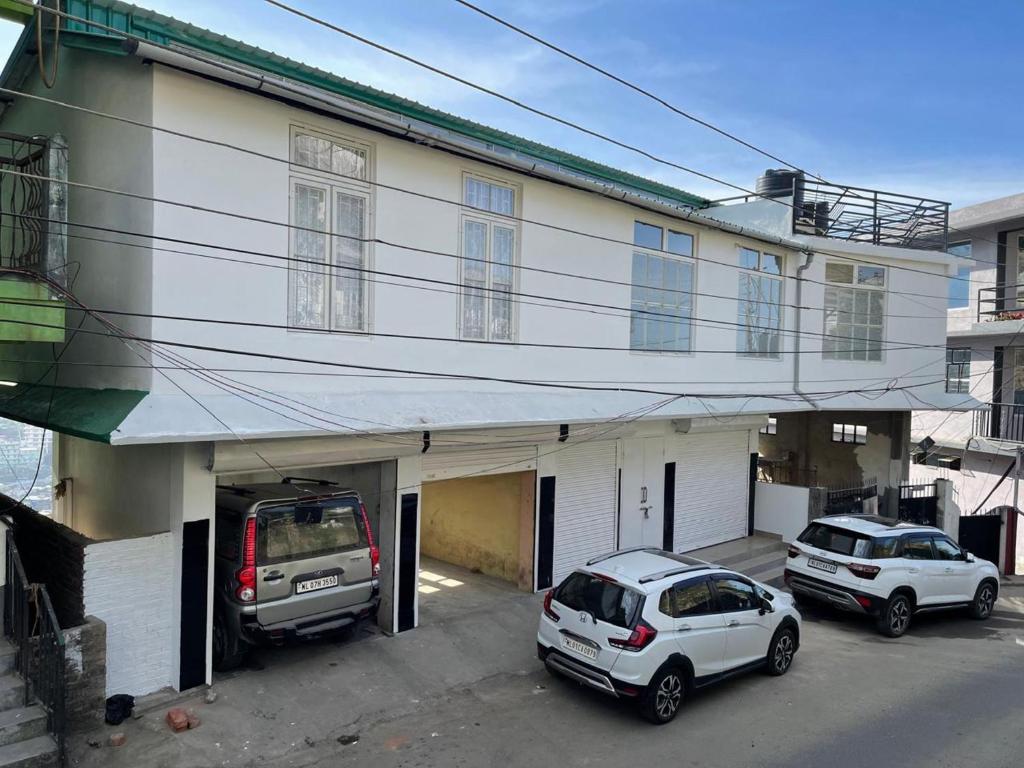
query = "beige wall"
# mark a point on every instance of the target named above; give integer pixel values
(480, 523)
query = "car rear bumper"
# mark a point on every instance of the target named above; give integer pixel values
(841, 597)
(586, 674)
(253, 631)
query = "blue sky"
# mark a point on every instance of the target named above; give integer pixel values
(915, 97)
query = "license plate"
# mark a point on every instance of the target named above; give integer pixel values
(581, 648)
(314, 584)
(822, 565)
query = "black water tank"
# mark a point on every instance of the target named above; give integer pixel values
(781, 182)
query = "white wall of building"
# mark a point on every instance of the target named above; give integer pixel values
(781, 509)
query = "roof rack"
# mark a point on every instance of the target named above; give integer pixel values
(293, 480)
(616, 553)
(239, 490)
(675, 572)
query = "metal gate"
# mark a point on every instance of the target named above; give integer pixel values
(849, 501)
(919, 503)
(979, 535)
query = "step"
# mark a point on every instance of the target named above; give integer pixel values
(12, 691)
(750, 554)
(769, 569)
(757, 563)
(22, 723)
(38, 752)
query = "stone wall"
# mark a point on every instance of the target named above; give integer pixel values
(85, 654)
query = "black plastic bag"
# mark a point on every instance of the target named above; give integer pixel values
(119, 708)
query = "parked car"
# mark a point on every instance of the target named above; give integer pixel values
(888, 569)
(293, 559)
(653, 626)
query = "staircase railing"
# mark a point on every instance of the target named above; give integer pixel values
(31, 624)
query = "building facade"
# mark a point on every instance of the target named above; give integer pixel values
(518, 357)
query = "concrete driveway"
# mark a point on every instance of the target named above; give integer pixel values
(466, 690)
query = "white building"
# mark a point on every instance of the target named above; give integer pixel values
(976, 450)
(655, 330)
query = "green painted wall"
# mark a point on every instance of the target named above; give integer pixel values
(41, 310)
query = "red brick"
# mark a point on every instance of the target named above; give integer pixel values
(177, 719)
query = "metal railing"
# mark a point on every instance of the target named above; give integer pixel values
(869, 215)
(785, 473)
(1001, 302)
(1000, 421)
(31, 624)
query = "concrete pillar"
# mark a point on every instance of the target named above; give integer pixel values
(817, 500)
(947, 515)
(401, 503)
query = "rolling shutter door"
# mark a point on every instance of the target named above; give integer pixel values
(712, 479)
(585, 505)
(439, 465)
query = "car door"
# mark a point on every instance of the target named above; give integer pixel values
(956, 573)
(924, 572)
(747, 626)
(698, 626)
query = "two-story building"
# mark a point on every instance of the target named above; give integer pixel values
(977, 450)
(519, 357)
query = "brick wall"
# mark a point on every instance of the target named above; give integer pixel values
(53, 555)
(129, 585)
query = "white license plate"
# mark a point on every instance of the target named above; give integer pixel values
(581, 648)
(314, 584)
(822, 565)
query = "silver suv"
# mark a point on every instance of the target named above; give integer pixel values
(293, 559)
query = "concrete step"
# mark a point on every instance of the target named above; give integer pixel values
(22, 723)
(771, 547)
(38, 752)
(768, 569)
(12, 691)
(756, 563)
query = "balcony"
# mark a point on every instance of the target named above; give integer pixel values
(1001, 302)
(1000, 421)
(33, 237)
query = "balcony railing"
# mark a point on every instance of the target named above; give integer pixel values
(1000, 421)
(1001, 302)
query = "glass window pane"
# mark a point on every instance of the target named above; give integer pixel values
(771, 264)
(679, 242)
(307, 281)
(749, 258)
(476, 194)
(348, 161)
(839, 273)
(474, 248)
(873, 276)
(502, 200)
(349, 250)
(646, 235)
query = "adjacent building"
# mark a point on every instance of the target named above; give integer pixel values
(519, 357)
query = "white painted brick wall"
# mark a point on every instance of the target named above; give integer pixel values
(129, 584)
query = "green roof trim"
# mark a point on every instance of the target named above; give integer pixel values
(164, 30)
(92, 414)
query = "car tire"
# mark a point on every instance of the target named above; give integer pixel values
(228, 652)
(894, 618)
(984, 601)
(663, 697)
(781, 651)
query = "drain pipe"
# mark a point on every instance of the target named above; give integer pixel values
(796, 341)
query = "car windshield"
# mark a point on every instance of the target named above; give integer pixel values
(836, 540)
(605, 600)
(309, 529)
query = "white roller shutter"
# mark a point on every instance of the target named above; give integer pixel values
(585, 501)
(442, 465)
(712, 483)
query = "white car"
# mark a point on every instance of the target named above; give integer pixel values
(888, 569)
(651, 625)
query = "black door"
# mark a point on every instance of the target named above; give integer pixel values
(194, 584)
(979, 535)
(546, 533)
(407, 576)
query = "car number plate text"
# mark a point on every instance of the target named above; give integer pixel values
(314, 584)
(581, 648)
(822, 565)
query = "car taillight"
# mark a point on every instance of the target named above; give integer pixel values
(639, 638)
(794, 551)
(548, 597)
(246, 575)
(864, 571)
(374, 552)
(864, 602)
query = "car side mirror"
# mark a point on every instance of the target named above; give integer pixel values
(968, 557)
(766, 606)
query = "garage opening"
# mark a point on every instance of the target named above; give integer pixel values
(476, 538)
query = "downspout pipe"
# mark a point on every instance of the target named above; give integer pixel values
(796, 336)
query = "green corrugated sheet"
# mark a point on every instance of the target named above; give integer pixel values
(88, 413)
(165, 30)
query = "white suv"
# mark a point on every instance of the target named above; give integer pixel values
(651, 625)
(889, 570)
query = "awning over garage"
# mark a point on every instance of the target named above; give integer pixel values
(93, 414)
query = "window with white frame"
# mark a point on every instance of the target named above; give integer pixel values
(850, 433)
(958, 370)
(661, 298)
(331, 204)
(489, 242)
(759, 305)
(854, 312)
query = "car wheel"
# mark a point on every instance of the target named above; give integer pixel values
(984, 601)
(227, 654)
(664, 696)
(894, 619)
(781, 652)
